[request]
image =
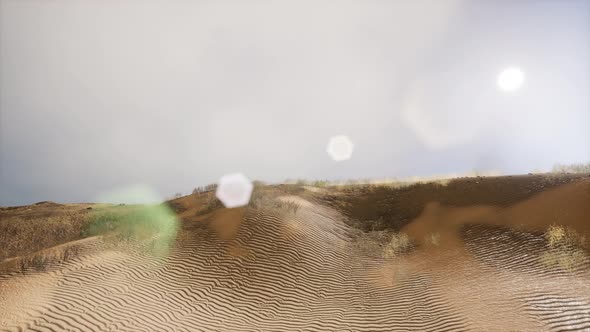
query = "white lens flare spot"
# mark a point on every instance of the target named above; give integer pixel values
(510, 79)
(234, 190)
(340, 148)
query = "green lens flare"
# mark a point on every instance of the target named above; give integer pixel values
(152, 227)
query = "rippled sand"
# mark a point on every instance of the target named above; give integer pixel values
(310, 270)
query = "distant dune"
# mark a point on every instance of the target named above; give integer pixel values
(483, 254)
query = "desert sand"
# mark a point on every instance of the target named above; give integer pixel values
(477, 254)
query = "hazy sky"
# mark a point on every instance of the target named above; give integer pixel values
(97, 96)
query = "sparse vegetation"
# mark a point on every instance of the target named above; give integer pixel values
(266, 202)
(565, 248)
(399, 243)
(31, 229)
(40, 261)
(572, 168)
(28, 229)
(267, 198)
(320, 183)
(370, 243)
(205, 189)
(559, 236)
(153, 227)
(131, 222)
(291, 189)
(263, 197)
(391, 205)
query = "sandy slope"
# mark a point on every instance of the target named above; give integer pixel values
(244, 270)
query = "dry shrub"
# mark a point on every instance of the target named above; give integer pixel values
(266, 198)
(558, 236)
(399, 243)
(263, 198)
(42, 260)
(565, 248)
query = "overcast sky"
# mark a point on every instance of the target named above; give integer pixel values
(98, 96)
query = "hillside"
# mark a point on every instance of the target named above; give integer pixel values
(482, 253)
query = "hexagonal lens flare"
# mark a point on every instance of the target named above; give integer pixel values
(340, 148)
(234, 190)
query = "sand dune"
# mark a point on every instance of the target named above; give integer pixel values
(309, 270)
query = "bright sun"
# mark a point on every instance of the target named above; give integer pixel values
(510, 79)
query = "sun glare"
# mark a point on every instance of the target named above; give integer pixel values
(510, 79)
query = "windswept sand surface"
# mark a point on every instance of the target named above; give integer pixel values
(239, 270)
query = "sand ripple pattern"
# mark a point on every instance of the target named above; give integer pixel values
(282, 272)
(556, 297)
(291, 272)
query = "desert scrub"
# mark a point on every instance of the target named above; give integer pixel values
(267, 198)
(399, 243)
(41, 261)
(369, 244)
(565, 248)
(557, 236)
(28, 229)
(572, 168)
(263, 197)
